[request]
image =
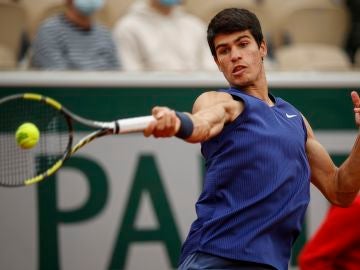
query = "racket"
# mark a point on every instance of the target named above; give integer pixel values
(56, 124)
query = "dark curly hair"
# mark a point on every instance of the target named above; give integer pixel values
(232, 20)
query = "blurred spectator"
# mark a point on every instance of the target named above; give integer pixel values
(12, 28)
(353, 40)
(74, 41)
(336, 245)
(160, 35)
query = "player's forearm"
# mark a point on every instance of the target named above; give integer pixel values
(348, 176)
(208, 123)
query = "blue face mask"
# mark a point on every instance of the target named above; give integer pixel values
(88, 7)
(170, 2)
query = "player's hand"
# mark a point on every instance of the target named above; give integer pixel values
(166, 125)
(356, 101)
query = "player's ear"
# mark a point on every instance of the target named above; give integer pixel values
(263, 49)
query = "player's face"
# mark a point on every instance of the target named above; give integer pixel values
(239, 57)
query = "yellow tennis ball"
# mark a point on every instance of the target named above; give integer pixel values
(27, 135)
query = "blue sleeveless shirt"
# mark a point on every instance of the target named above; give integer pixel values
(256, 187)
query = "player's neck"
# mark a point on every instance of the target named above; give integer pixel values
(260, 94)
(259, 89)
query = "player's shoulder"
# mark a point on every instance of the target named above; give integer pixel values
(211, 98)
(215, 96)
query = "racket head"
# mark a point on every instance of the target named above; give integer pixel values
(21, 167)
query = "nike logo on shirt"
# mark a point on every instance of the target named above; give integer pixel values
(290, 115)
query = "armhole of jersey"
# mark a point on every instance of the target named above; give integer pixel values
(239, 99)
(304, 127)
(239, 118)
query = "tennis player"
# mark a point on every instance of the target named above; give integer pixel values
(260, 153)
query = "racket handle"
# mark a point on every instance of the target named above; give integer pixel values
(135, 124)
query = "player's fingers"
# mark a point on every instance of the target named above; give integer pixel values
(161, 120)
(169, 125)
(149, 129)
(166, 123)
(167, 120)
(160, 114)
(355, 99)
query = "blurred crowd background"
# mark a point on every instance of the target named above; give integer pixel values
(320, 35)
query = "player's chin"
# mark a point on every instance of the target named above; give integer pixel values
(240, 82)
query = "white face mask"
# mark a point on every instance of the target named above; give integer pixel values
(88, 7)
(170, 2)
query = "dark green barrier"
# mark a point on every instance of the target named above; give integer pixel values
(325, 109)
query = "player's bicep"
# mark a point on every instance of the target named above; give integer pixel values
(211, 111)
(218, 102)
(323, 170)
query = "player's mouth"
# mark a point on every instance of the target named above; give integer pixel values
(238, 70)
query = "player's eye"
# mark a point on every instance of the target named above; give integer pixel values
(243, 44)
(223, 51)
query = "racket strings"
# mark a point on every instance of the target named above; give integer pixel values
(17, 164)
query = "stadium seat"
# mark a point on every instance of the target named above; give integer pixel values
(206, 9)
(7, 59)
(315, 23)
(12, 24)
(312, 57)
(113, 10)
(34, 9)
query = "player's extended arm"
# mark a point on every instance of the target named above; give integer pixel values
(339, 185)
(211, 111)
